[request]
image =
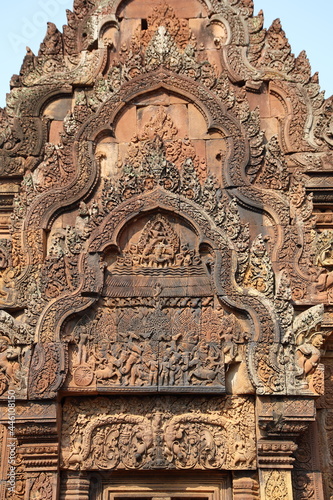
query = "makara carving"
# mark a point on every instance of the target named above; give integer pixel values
(157, 434)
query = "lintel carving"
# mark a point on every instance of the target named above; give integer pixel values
(159, 434)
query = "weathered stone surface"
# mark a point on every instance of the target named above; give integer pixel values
(165, 258)
(165, 433)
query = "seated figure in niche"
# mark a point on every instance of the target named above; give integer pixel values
(159, 252)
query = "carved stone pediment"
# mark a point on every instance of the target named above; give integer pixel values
(165, 289)
(159, 326)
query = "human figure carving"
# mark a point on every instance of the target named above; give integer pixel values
(77, 440)
(229, 346)
(152, 365)
(175, 368)
(164, 371)
(82, 354)
(308, 355)
(131, 368)
(9, 364)
(159, 252)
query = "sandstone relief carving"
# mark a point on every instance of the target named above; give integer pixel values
(276, 486)
(160, 346)
(162, 271)
(15, 354)
(309, 341)
(144, 334)
(151, 433)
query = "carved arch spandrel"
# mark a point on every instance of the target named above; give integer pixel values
(297, 121)
(216, 116)
(106, 234)
(226, 264)
(212, 108)
(47, 205)
(264, 325)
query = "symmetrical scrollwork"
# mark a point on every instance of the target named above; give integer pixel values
(156, 434)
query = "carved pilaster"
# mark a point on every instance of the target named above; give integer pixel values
(3, 462)
(307, 480)
(273, 454)
(74, 486)
(38, 446)
(245, 487)
(323, 443)
(281, 421)
(36, 450)
(275, 462)
(275, 485)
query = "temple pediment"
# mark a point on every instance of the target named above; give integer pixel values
(165, 260)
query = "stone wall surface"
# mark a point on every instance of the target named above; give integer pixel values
(166, 260)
